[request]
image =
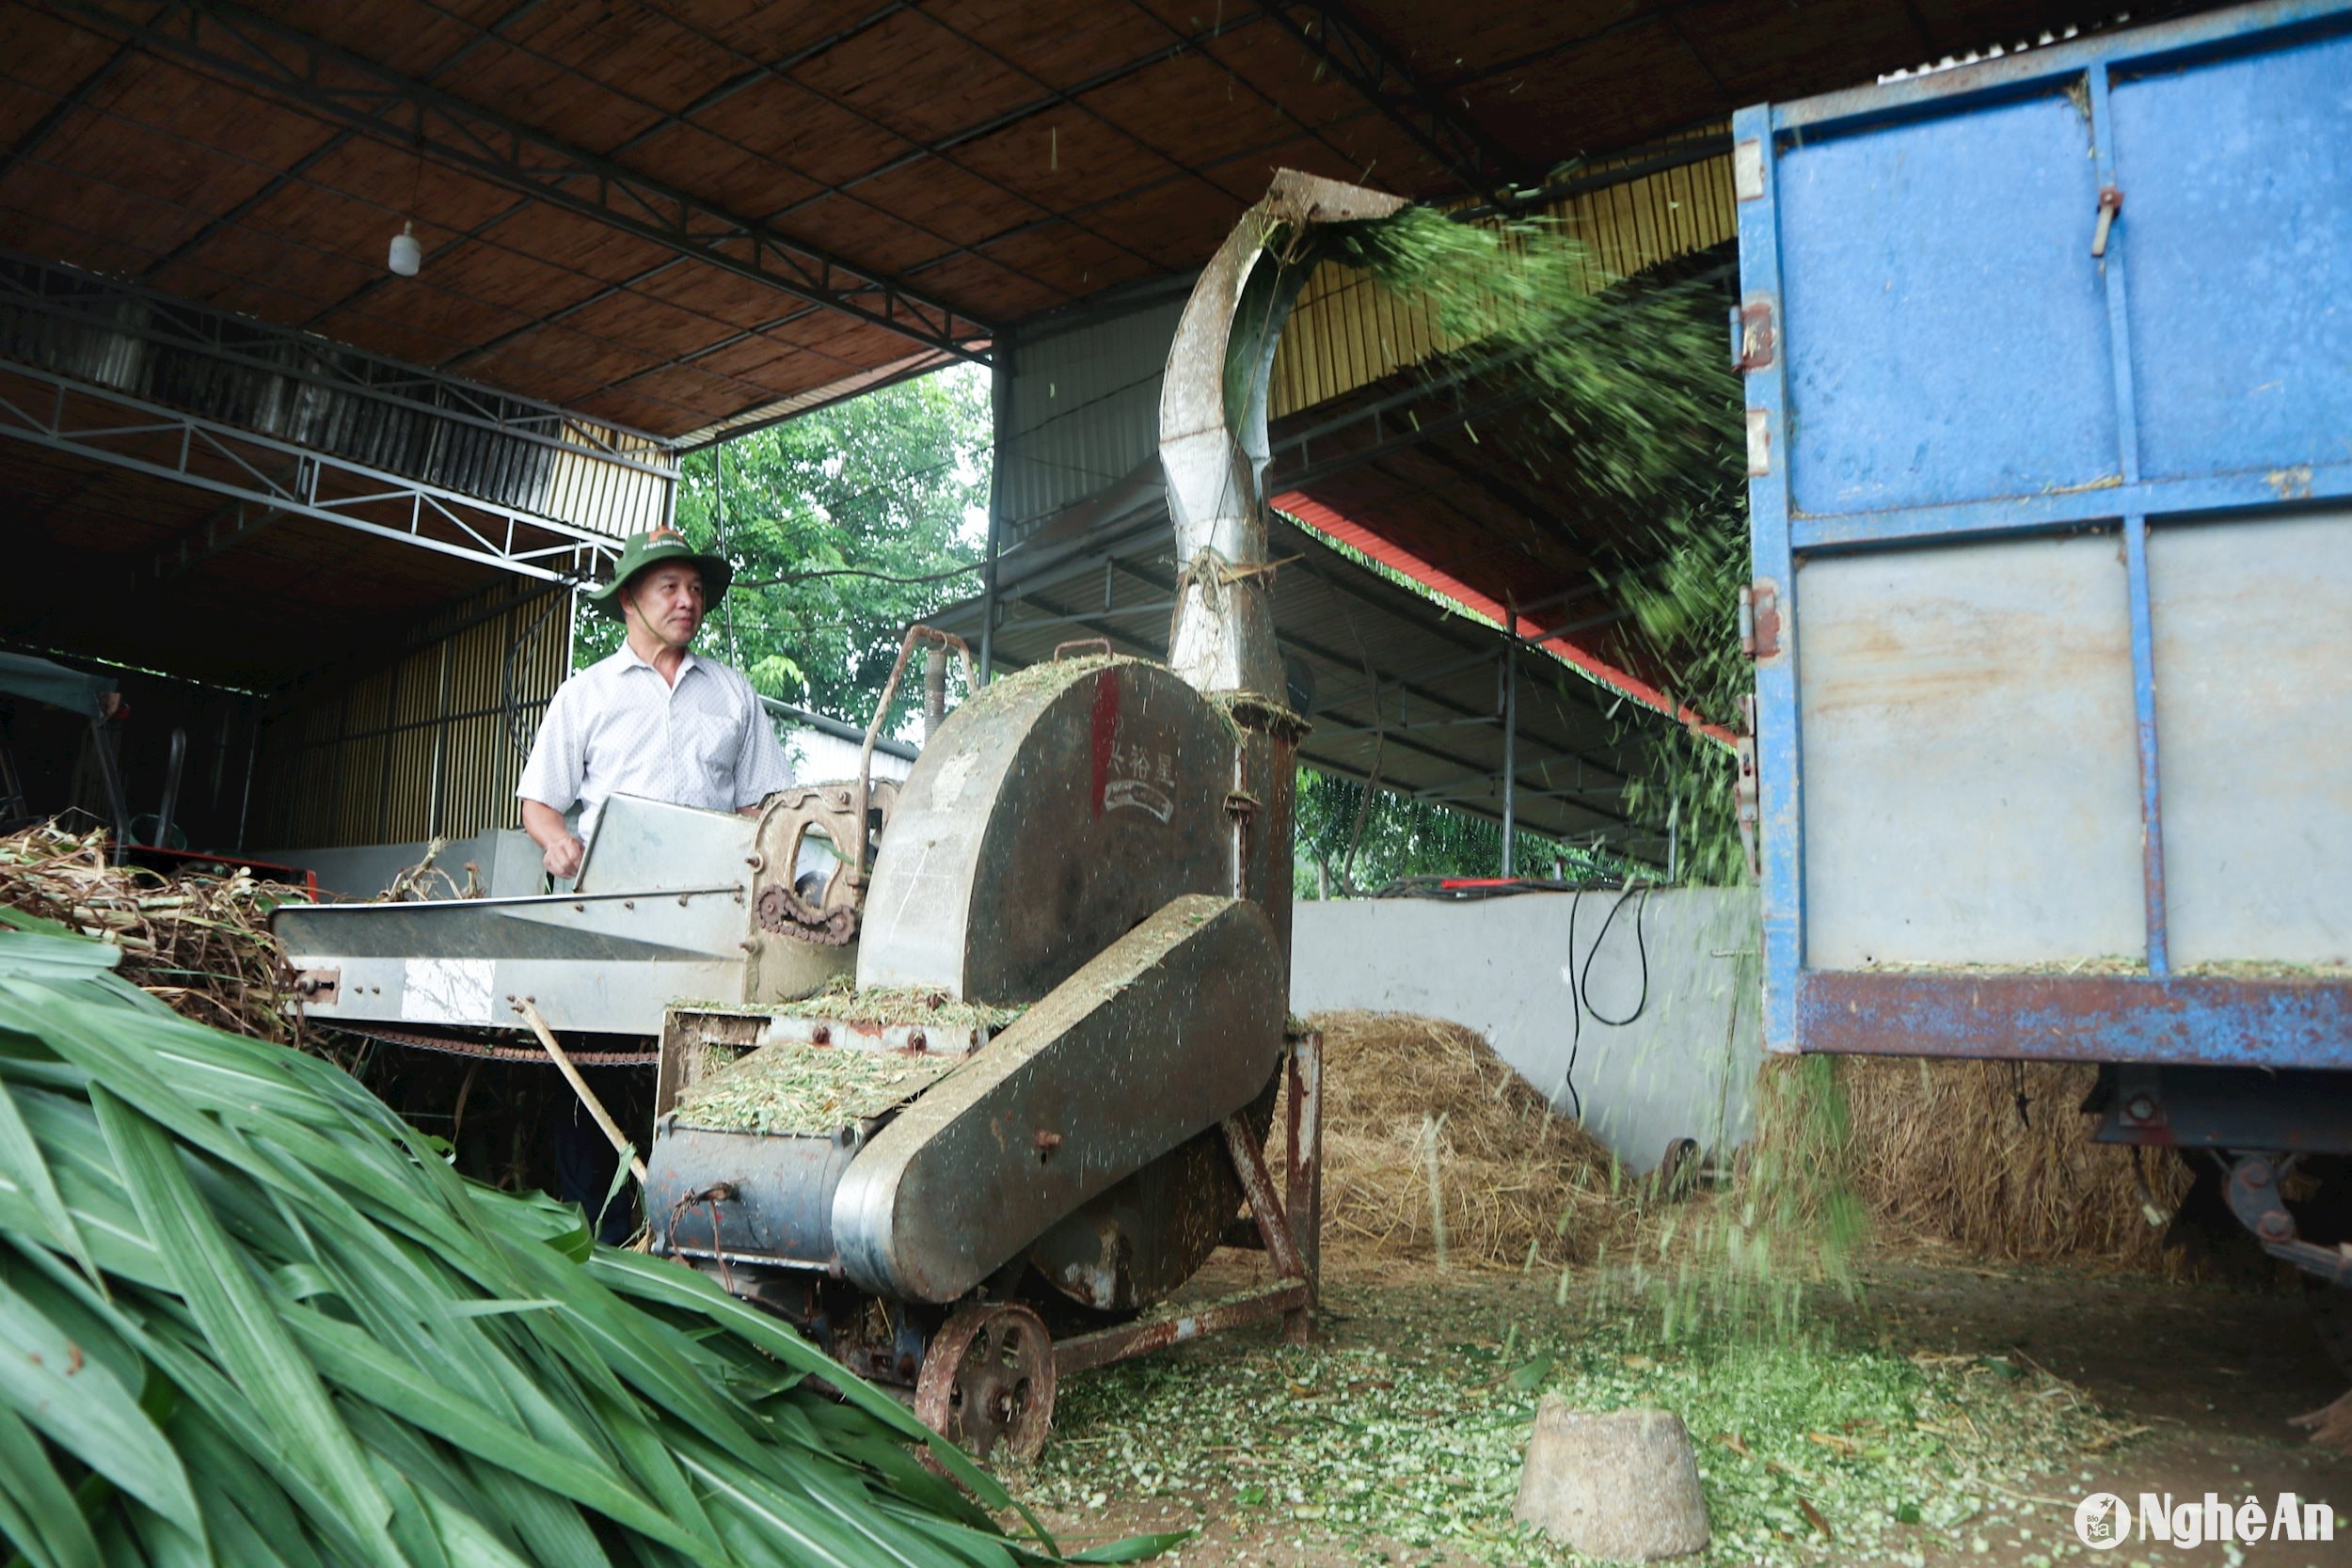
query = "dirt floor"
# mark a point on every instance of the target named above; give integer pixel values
(1949, 1415)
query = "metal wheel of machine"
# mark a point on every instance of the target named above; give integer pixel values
(987, 1381)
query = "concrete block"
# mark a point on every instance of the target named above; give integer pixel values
(1623, 1486)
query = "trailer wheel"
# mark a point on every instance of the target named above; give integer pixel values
(987, 1381)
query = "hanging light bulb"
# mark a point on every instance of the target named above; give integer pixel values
(406, 255)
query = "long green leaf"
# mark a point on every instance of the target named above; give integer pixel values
(218, 1282)
(24, 1167)
(354, 1362)
(347, 1321)
(36, 1508)
(85, 1409)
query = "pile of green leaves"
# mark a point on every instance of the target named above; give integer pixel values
(247, 1316)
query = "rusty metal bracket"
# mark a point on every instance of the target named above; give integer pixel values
(1759, 620)
(1062, 650)
(1280, 1231)
(2110, 208)
(1747, 792)
(324, 986)
(2258, 1205)
(1753, 339)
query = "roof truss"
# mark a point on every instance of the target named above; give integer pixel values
(402, 112)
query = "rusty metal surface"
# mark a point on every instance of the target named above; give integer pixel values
(987, 1382)
(1173, 1327)
(1054, 812)
(746, 1194)
(1971, 770)
(1138, 1244)
(1175, 1025)
(1213, 431)
(2184, 1020)
(489, 1051)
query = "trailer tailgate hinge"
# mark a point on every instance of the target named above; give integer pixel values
(1759, 620)
(1752, 336)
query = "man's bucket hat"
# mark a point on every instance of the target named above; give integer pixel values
(659, 548)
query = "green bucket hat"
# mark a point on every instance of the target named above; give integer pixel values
(659, 548)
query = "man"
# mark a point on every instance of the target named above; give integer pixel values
(651, 720)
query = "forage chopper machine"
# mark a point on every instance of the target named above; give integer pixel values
(1045, 1098)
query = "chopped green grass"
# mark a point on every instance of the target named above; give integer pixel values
(888, 1006)
(1419, 1444)
(791, 1088)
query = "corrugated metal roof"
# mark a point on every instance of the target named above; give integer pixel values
(1083, 406)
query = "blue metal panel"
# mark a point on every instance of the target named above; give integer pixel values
(1962, 355)
(2216, 1023)
(1945, 339)
(2239, 237)
(1779, 807)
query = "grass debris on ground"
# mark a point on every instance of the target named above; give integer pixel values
(787, 1086)
(1825, 1447)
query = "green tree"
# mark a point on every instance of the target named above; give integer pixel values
(1401, 836)
(844, 526)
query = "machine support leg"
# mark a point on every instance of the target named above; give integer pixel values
(1303, 1149)
(1276, 1227)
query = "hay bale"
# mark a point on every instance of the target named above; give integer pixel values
(1408, 1098)
(1936, 1151)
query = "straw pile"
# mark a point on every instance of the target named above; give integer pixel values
(1937, 1151)
(1414, 1106)
(202, 944)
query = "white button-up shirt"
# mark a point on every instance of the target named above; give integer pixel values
(618, 728)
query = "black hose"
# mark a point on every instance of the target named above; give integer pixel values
(1580, 980)
(1641, 950)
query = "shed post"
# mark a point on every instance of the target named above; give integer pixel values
(1509, 748)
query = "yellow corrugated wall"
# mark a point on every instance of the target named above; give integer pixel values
(419, 747)
(1348, 332)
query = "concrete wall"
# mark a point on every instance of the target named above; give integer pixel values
(1683, 1068)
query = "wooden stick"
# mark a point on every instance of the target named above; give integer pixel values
(580, 1087)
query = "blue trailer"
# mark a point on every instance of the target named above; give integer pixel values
(2049, 368)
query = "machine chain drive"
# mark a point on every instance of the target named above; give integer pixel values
(784, 910)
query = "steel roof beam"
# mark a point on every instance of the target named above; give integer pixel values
(415, 117)
(1381, 79)
(72, 98)
(120, 430)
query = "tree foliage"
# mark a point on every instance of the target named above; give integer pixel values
(891, 484)
(1405, 837)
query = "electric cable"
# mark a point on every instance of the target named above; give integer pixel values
(1641, 950)
(1576, 1015)
(1580, 981)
